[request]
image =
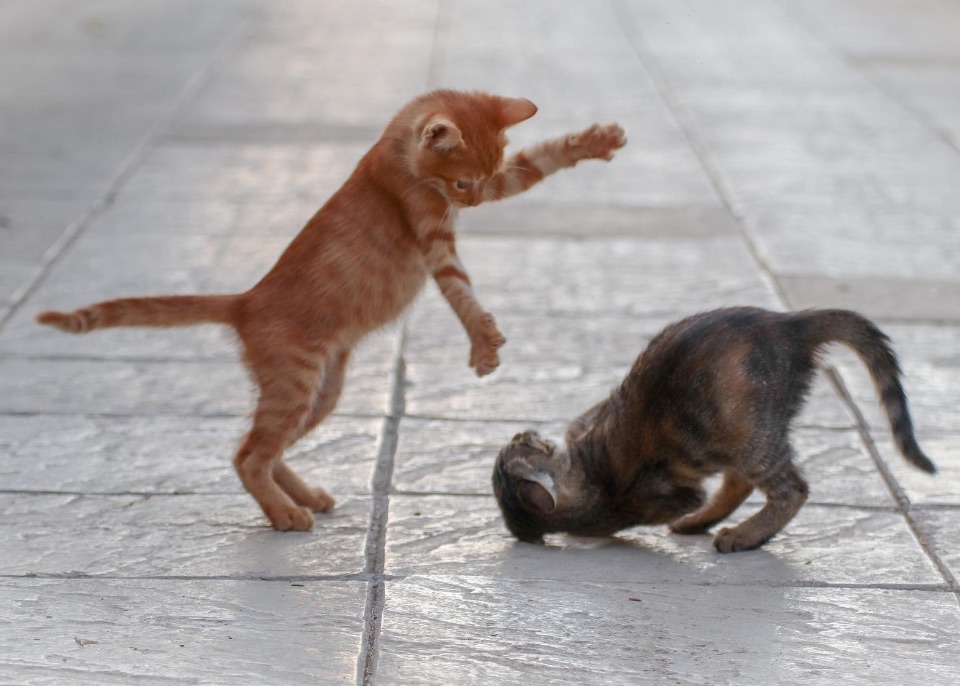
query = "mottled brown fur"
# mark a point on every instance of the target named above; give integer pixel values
(713, 393)
(356, 266)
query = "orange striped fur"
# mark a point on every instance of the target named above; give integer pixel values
(361, 259)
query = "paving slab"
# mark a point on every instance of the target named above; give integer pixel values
(144, 631)
(157, 455)
(173, 536)
(494, 630)
(939, 525)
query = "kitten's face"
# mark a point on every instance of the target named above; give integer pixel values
(461, 142)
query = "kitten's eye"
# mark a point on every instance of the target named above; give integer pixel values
(463, 184)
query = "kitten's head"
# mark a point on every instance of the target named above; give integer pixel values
(458, 140)
(542, 489)
(524, 484)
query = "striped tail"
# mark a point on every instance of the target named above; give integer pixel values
(164, 311)
(873, 348)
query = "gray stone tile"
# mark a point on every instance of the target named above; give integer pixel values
(942, 528)
(29, 226)
(105, 267)
(435, 456)
(13, 279)
(173, 536)
(503, 631)
(91, 631)
(868, 30)
(330, 63)
(822, 545)
(599, 220)
(942, 488)
(169, 455)
(878, 298)
(244, 173)
(929, 86)
(854, 243)
(280, 217)
(637, 277)
(158, 387)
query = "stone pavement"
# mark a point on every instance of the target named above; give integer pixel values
(786, 154)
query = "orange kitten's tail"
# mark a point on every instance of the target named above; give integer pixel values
(174, 310)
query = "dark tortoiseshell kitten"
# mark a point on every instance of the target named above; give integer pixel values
(712, 393)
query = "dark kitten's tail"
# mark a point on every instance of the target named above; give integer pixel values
(873, 348)
(174, 310)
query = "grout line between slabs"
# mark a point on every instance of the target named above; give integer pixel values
(374, 551)
(127, 168)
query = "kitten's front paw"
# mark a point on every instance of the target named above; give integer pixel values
(486, 339)
(736, 539)
(597, 143)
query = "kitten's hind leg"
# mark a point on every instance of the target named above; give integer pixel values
(786, 491)
(731, 494)
(324, 401)
(286, 383)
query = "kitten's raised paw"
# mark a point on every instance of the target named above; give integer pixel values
(486, 340)
(598, 142)
(291, 519)
(735, 540)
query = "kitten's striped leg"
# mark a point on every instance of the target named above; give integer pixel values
(531, 165)
(287, 379)
(324, 401)
(439, 248)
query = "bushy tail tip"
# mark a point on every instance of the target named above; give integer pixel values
(915, 456)
(65, 321)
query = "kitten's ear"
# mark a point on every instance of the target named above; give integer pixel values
(440, 134)
(534, 494)
(515, 110)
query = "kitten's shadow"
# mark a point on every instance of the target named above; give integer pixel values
(646, 556)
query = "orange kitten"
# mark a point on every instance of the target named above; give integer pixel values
(355, 266)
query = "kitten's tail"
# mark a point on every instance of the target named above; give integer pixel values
(873, 348)
(163, 311)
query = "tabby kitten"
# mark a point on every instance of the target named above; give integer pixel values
(713, 393)
(354, 267)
